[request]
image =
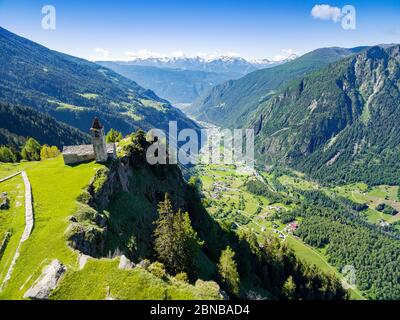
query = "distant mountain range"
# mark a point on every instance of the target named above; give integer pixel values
(229, 104)
(232, 66)
(74, 90)
(182, 80)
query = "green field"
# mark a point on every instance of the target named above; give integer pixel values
(360, 193)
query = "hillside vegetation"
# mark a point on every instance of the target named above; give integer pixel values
(339, 123)
(18, 123)
(74, 90)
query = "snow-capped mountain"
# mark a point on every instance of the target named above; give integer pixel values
(266, 63)
(232, 65)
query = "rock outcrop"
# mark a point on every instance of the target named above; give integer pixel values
(47, 282)
(125, 263)
(4, 201)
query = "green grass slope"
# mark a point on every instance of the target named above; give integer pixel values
(55, 190)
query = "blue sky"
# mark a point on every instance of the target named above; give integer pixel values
(253, 29)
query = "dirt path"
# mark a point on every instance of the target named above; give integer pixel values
(29, 220)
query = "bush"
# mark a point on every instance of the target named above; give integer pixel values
(48, 152)
(386, 209)
(99, 179)
(208, 290)
(84, 197)
(7, 155)
(380, 207)
(390, 210)
(158, 270)
(182, 276)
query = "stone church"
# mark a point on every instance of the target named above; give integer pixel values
(99, 150)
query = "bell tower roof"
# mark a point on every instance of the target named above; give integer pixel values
(96, 124)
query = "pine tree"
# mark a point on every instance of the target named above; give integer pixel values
(175, 240)
(227, 269)
(289, 288)
(113, 136)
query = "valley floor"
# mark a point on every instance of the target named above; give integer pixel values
(229, 202)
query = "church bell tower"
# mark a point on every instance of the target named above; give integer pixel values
(99, 141)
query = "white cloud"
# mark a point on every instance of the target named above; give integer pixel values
(232, 54)
(142, 54)
(101, 54)
(206, 56)
(147, 54)
(286, 54)
(326, 12)
(177, 54)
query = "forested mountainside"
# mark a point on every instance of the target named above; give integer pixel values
(231, 103)
(74, 90)
(18, 123)
(176, 85)
(339, 123)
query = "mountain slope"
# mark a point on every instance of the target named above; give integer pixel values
(106, 210)
(74, 90)
(230, 103)
(18, 122)
(176, 85)
(339, 123)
